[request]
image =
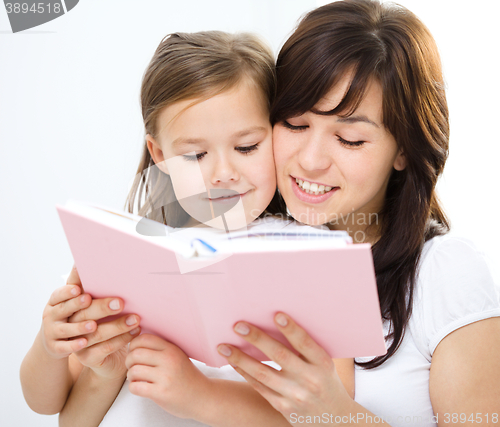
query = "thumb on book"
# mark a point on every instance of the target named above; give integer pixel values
(74, 278)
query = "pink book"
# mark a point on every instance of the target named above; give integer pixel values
(193, 298)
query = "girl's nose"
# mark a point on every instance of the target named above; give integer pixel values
(224, 171)
(314, 155)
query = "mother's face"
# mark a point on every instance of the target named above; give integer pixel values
(329, 167)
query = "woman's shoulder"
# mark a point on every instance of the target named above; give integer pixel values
(455, 286)
(452, 251)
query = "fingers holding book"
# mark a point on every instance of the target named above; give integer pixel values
(159, 370)
(107, 330)
(307, 383)
(99, 309)
(58, 337)
(106, 347)
(101, 346)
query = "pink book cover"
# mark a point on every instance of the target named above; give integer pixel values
(331, 293)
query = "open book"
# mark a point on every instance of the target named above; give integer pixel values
(190, 286)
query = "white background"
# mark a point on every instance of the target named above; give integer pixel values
(71, 127)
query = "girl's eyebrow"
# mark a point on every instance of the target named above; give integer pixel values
(248, 131)
(239, 134)
(182, 140)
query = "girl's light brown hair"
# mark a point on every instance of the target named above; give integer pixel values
(193, 66)
(388, 43)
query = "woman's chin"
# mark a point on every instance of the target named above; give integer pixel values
(308, 216)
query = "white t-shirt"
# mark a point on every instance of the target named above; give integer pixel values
(129, 410)
(455, 287)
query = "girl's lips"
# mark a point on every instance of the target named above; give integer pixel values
(227, 199)
(310, 198)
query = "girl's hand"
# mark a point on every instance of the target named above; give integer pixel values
(162, 372)
(60, 338)
(105, 347)
(307, 385)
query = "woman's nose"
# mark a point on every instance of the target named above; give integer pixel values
(224, 171)
(313, 154)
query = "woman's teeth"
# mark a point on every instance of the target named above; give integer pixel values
(312, 188)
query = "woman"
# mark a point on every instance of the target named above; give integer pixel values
(360, 138)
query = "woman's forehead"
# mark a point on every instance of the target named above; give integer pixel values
(370, 104)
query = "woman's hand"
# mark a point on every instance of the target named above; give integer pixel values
(105, 347)
(307, 385)
(162, 372)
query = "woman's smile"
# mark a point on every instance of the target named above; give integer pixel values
(311, 192)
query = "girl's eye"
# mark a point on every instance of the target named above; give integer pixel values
(248, 149)
(350, 143)
(292, 127)
(194, 158)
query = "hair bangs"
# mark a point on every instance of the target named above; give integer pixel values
(354, 95)
(305, 75)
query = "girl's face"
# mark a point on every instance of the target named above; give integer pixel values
(218, 151)
(335, 169)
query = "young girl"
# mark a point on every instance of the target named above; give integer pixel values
(205, 102)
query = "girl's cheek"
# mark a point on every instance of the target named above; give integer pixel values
(187, 177)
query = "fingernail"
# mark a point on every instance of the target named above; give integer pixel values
(242, 329)
(114, 304)
(224, 350)
(75, 291)
(131, 320)
(135, 331)
(89, 326)
(82, 299)
(281, 320)
(82, 342)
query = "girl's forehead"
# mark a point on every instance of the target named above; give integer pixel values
(230, 115)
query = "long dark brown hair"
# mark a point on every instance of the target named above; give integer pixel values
(390, 44)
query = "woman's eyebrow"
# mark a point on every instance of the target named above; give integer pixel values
(356, 119)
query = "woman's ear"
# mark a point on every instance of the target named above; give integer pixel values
(400, 161)
(156, 153)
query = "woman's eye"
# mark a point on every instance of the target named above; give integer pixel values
(292, 127)
(350, 143)
(248, 149)
(194, 158)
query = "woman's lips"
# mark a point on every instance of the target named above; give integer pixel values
(310, 198)
(302, 179)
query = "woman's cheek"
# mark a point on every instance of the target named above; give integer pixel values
(279, 148)
(268, 178)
